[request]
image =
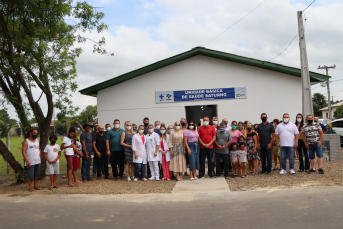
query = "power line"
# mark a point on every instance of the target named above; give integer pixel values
(235, 23)
(309, 6)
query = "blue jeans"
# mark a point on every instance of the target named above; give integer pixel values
(194, 157)
(33, 172)
(139, 166)
(86, 167)
(314, 148)
(203, 153)
(266, 153)
(284, 151)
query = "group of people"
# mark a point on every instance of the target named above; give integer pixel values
(167, 151)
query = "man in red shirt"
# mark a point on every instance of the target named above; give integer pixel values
(207, 136)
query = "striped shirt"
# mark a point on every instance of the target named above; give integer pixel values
(311, 132)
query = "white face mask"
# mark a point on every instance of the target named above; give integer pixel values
(177, 127)
(205, 123)
(151, 130)
(128, 127)
(116, 126)
(191, 127)
(299, 119)
(141, 131)
(215, 122)
(157, 127)
(108, 128)
(286, 120)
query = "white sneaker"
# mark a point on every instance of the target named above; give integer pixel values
(157, 178)
(152, 178)
(168, 179)
(128, 179)
(292, 171)
(283, 172)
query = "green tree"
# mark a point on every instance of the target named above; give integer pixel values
(338, 113)
(89, 114)
(319, 102)
(38, 51)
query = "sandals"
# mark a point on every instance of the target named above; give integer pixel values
(195, 178)
(38, 188)
(245, 174)
(32, 190)
(144, 179)
(276, 168)
(50, 188)
(72, 186)
(192, 179)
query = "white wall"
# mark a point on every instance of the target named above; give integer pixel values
(271, 92)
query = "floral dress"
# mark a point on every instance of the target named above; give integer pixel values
(251, 146)
(275, 149)
(178, 160)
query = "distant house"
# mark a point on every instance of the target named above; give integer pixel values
(325, 110)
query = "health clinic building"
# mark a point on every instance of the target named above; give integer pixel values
(202, 82)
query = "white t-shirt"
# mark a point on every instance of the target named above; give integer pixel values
(287, 133)
(242, 156)
(52, 151)
(67, 142)
(228, 128)
(33, 152)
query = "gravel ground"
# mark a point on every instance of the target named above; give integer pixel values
(332, 177)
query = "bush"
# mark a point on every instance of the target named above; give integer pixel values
(338, 112)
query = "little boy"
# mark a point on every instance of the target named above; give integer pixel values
(234, 159)
(52, 154)
(242, 159)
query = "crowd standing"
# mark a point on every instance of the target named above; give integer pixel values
(166, 152)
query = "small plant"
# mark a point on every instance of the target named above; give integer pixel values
(20, 178)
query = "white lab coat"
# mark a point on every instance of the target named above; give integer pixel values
(139, 147)
(151, 142)
(165, 144)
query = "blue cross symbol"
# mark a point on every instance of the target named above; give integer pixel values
(161, 96)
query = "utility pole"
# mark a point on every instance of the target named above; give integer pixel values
(307, 107)
(328, 87)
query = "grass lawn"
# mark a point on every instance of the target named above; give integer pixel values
(15, 146)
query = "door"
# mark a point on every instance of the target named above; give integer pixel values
(197, 113)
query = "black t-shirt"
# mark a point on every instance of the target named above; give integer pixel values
(252, 134)
(265, 132)
(100, 142)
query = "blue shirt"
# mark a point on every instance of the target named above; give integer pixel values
(88, 139)
(157, 131)
(323, 127)
(114, 136)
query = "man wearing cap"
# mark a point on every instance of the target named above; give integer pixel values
(86, 141)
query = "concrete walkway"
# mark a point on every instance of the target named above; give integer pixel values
(205, 185)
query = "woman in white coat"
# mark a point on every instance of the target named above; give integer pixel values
(139, 153)
(164, 153)
(152, 147)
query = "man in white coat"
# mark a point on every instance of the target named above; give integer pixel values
(152, 147)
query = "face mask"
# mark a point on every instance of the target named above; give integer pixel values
(285, 120)
(299, 119)
(108, 128)
(222, 129)
(53, 142)
(169, 131)
(151, 130)
(34, 136)
(116, 126)
(163, 131)
(240, 127)
(101, 131)
(310, 121)
(183, 124)
(128, 127)
(249, 129)
(141, 131)
(234, 148)
(264, 119)
(146, 124)
(225, 124)
(191, 127)
(215, 122)
(205, 123)
(242, 148)
(234, 127)
(177, 127)
(157, 127)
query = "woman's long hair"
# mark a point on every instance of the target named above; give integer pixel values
(302, 121)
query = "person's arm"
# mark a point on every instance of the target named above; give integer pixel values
(40, 153)
(185, 142)
(277, 137)
(46, 157)
(305, 141)
(108, 147)
(157, 138)
(134, 146)
(23, 150)
(321, 138)
(122, 139)
(255, 141)
(245, 134)
(271, 141)
(96, 150)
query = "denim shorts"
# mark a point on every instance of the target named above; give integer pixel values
(33, 172)
(314, 148)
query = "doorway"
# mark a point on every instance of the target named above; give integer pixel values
(197, 113)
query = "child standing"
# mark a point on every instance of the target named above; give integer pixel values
(242, 160)
(68, 146)
(234, 159)
(77, 155)
(52, 155)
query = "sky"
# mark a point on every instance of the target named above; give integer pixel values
(142, 32)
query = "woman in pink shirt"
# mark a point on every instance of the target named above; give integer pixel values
(235, 133)
(193, 148)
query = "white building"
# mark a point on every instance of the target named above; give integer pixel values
(325, 110)
(170, 89)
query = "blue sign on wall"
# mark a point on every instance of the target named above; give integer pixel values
(201, 94)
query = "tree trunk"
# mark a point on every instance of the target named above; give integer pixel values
(44, 138)
(8, 147)
(18, 169)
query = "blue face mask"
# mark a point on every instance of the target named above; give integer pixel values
(163, 131)
(222, 129)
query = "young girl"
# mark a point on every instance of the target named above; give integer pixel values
(68, 146)
(164, 153)
(234, 159)
(242, 160)
(52, 155)
(140, 155)
(77, 155)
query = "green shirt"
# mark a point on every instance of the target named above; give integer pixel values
(115, 136)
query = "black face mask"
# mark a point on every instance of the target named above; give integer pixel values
(146, 124)
(53, 142)
(101, 131)
(34, 136)
(249, 129)
(264, 119)
(310, 121)
(183, 124)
